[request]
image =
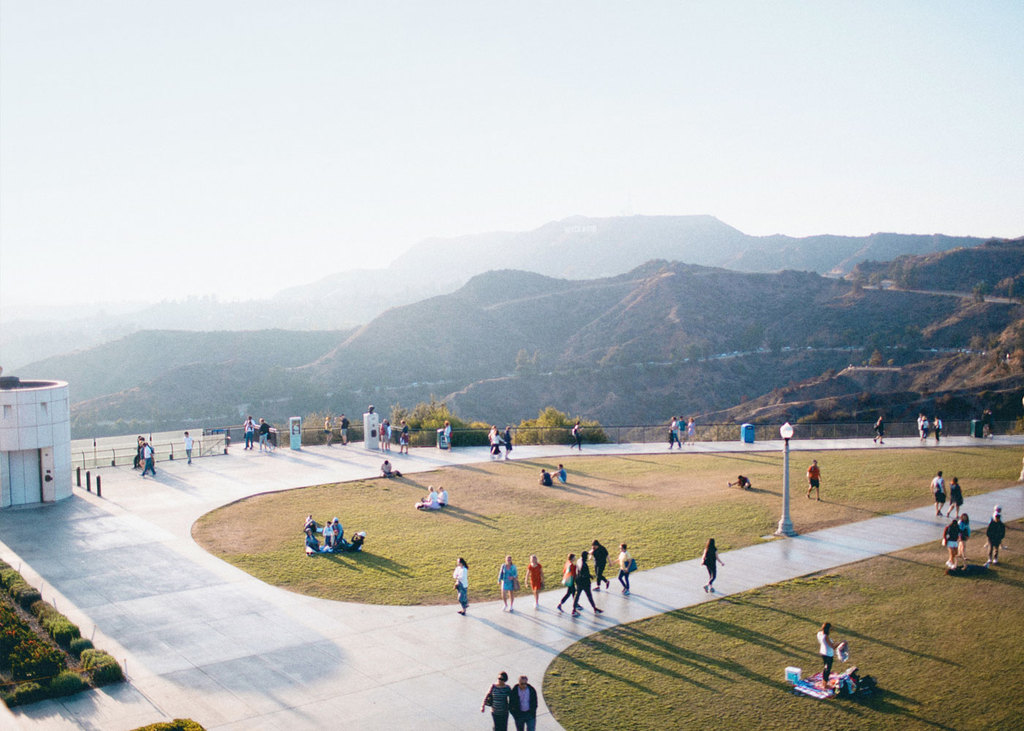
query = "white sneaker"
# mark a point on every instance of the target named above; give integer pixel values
(995, 560)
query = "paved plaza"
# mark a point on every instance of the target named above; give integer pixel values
(204, 640)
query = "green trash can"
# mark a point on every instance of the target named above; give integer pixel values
(977, 429)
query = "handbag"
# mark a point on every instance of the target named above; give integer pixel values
(567, 579)
(515, 583)
(632, 565)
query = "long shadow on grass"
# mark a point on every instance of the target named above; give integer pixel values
(368, 562)
(846, 630)
(469, 516)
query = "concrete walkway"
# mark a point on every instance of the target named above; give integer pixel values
(204, 640)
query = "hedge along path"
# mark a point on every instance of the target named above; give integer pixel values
(664, 506)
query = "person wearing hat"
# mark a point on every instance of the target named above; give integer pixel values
(499, 698)
(995, 533)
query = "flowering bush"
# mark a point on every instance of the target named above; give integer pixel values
(32, 659)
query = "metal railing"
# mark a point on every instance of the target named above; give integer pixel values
(645, 433)
(117, 453)
(120, 451)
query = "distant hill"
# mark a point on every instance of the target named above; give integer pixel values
(664, 336)
(993, 268)
(573, 248)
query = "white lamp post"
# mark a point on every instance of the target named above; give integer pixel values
(785, 525)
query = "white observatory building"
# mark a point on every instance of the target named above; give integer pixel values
(35, 442)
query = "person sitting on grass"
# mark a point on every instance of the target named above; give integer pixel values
(386, 470)
(545, 478)
(312, 544)
(442, 497)
(311, 524)
(563, 476)
(430, 502)
(338, 532)
(328, 538)
(742, 482)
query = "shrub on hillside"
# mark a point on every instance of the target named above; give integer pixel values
(33, 659)
(25, 595)
(63, 632)
(67, 682)
(24, 694)
(103, 668)
(78, 645)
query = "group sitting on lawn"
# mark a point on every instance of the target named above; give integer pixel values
(434, 500)
(334, 538)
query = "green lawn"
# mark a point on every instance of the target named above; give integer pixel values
(664, 506)
(944, 651)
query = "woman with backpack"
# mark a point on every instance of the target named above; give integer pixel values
(951, 540)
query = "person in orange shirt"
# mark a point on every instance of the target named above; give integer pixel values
(813, 479)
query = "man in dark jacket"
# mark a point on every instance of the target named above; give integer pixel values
(600, 554)
(523, 705)
(995, 533)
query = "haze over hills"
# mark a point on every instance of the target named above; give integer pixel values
(573, 248)
(627, 348)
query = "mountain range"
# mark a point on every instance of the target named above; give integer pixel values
(663, 338)
(575, 248)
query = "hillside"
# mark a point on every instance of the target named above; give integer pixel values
(665, 336)
(574, 248)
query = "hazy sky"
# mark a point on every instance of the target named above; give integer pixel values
(153, 149)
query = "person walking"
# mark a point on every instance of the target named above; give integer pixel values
(189, 442)
(461, 576)
(328, 430)
(137, 460)
(951, 540)
(939, 491)
(499, 698)
(827, 650)
(691, 432)
(814, 480)
(956, 497)
(148, 454)
(965, 533)
(508, 580)
(535, 579)
(922, 427)
(995, 533)
(507, 439)
(879, 431)
(568, 579)
(524, 705)
(710, 560)
(937, 428)
(625, 566)
(577, 436)
(583, 586)
(600, 554)
(673, 434)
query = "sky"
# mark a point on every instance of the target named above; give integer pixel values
(161, 150)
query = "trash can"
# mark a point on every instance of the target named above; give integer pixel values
(977, 429)
(442, 442)
(295, 430)
(747, 433)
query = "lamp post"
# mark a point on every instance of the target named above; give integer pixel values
(785, 525)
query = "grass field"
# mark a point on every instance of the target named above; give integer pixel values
(664, 506)
(944, 651)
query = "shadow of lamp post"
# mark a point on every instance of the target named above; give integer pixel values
(785, 525)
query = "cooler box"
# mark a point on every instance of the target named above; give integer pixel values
(793, 675)
(747, 433)
(977, 429)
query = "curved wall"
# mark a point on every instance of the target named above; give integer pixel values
(35, 442)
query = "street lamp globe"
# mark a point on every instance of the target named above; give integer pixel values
(786, 430)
